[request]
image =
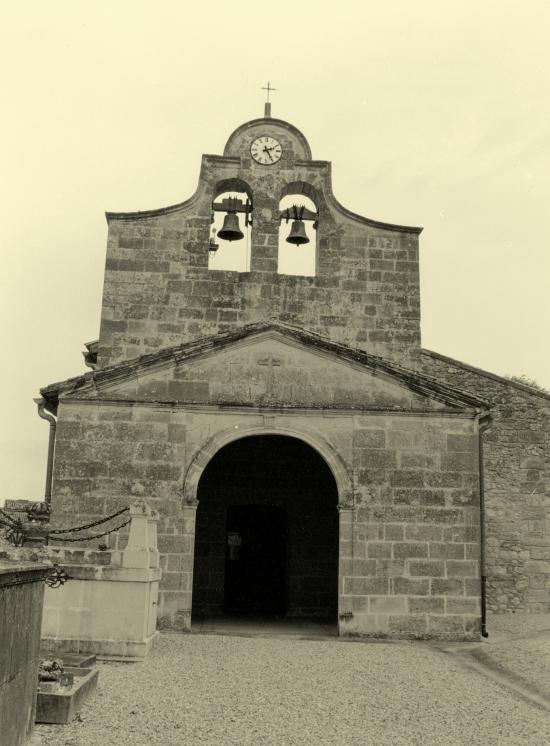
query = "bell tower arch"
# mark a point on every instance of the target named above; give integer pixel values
(170, 279)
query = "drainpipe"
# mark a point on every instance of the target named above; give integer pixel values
(41, 403)
(484, 422)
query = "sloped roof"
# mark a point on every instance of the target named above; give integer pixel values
(419, 383)
(486, 374)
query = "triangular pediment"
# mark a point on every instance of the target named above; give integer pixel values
(267, 366)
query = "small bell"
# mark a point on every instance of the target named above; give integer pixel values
(230, 230)
(297, 233)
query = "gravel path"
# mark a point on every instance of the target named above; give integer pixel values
(208, 689)
(528, 660)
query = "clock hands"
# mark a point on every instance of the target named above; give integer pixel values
(266, 150)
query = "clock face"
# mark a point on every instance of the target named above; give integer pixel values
(266, 150)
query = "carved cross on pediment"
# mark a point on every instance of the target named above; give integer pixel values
(270, 362)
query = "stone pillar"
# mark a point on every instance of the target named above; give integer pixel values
(265, 232)
(345, 564)
(189, 521)
(141, 550)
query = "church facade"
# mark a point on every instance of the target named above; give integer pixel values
(308, 458)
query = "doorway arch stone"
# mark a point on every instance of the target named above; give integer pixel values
(206, 451)
(209, 448)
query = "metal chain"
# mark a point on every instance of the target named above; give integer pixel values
(93, 536)
(13, 520)
(88, 525)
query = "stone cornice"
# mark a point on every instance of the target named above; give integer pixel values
(276, 409)
(416, 382)
(234, 161)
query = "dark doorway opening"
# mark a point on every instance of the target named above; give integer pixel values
(255, 560)
(266, 536)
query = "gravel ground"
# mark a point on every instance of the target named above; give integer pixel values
(519, 644)
(528, 660)
(504, 626)
(209, 689)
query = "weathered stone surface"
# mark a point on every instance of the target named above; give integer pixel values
(392, 550)
(108, 607)
(517, 478)
(157, 265)
(62, 706)
(192, 359)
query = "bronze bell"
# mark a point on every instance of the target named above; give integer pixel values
(297, 233)
(230, 230)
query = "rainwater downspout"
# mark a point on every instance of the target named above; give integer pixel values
(484, 422)
(41, 403)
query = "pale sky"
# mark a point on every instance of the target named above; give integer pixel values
(433, 113)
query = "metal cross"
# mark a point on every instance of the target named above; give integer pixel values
(268, 89)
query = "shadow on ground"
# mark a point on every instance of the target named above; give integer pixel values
(516, 655)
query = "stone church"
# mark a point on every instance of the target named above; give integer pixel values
(307, 456)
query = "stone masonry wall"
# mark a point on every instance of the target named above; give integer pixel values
(517, 485)
(410, 550)
(409, 546)
(159, 291)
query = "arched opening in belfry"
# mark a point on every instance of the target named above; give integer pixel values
(231, 227)
(297, 248)
(266, 537)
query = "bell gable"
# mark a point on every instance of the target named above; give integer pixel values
(175, 274)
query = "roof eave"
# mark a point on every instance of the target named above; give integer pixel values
(419, 383)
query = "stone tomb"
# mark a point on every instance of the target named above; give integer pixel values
(109, 605)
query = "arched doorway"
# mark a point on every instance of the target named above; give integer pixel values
(266, 537)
